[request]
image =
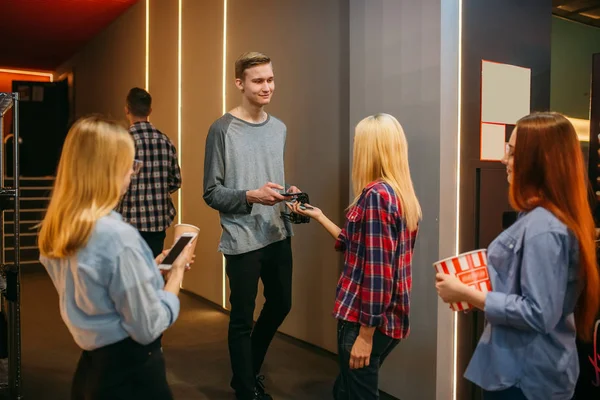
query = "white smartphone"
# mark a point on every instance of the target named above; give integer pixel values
(176, 250)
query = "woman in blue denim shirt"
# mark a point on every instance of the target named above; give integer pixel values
(112, 296)
(543, 269)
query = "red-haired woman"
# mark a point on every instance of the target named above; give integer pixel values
(543, 269)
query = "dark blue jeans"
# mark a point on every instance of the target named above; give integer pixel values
(363, 383)
(513, 393)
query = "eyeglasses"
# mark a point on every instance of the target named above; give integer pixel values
(509, 150)
(137, 166)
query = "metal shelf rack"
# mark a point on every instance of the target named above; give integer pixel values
(10, 273)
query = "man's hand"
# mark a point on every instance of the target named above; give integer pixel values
(294, 189)
(266, 195)
(360, 356)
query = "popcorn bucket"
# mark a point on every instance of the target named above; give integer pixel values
(471, 269)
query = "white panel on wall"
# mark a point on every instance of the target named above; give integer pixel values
(505, 92)
(492, 141)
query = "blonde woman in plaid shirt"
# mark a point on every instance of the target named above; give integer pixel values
(373, 294)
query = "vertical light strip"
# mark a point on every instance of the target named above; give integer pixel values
(224, 56)
(458, 144)
(179, 148)
(48, 75)
(147, 83)
(223, 93)
(224, 300)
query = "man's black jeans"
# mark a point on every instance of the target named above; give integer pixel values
(247, 346)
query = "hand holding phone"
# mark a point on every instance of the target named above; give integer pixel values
(184, 240)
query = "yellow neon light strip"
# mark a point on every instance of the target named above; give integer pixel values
(179, 148)
(457, 244)
(224, 90)
(224, 56)
(147, 83)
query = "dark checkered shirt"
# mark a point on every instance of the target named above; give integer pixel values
(147, 204)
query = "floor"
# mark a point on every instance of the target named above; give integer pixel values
(195, 350)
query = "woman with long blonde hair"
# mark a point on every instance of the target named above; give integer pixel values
(543, 270)
(373, 293)
(112, 296)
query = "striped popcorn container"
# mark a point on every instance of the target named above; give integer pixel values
(471, 269)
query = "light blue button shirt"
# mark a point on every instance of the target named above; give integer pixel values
(112, 288)
(529, 337)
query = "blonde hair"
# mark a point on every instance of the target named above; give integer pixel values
(95, 159)
(381, 153)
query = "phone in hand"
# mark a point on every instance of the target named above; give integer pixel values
(176, 250)
(288, 194)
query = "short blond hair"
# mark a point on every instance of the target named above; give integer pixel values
(249, 60)
(95, 159)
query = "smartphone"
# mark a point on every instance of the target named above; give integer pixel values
(176, 250)
(290, 194)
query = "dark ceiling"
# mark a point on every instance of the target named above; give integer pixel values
(584, 11)
(42, 34)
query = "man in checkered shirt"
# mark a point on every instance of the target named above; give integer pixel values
(147, 204)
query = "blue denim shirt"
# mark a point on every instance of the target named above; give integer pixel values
(112, 289)
(529, 337)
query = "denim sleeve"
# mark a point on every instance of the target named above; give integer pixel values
(543, 281)
(146, 310)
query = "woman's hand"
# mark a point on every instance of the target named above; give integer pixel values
(305, 209)
(165, 272)
(316, 214)
(185, 259)
(174, 276)
(450, 288)
(360, 356)
(181, 264)
(159, 259)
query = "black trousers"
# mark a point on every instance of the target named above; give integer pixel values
(156, 241)
(122, 371)
(248, 346)
(362, 383)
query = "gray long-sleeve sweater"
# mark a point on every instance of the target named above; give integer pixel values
(241, 156)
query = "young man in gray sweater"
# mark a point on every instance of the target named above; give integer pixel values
(244, 180)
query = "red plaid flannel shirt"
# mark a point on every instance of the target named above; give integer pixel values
(374, 288)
